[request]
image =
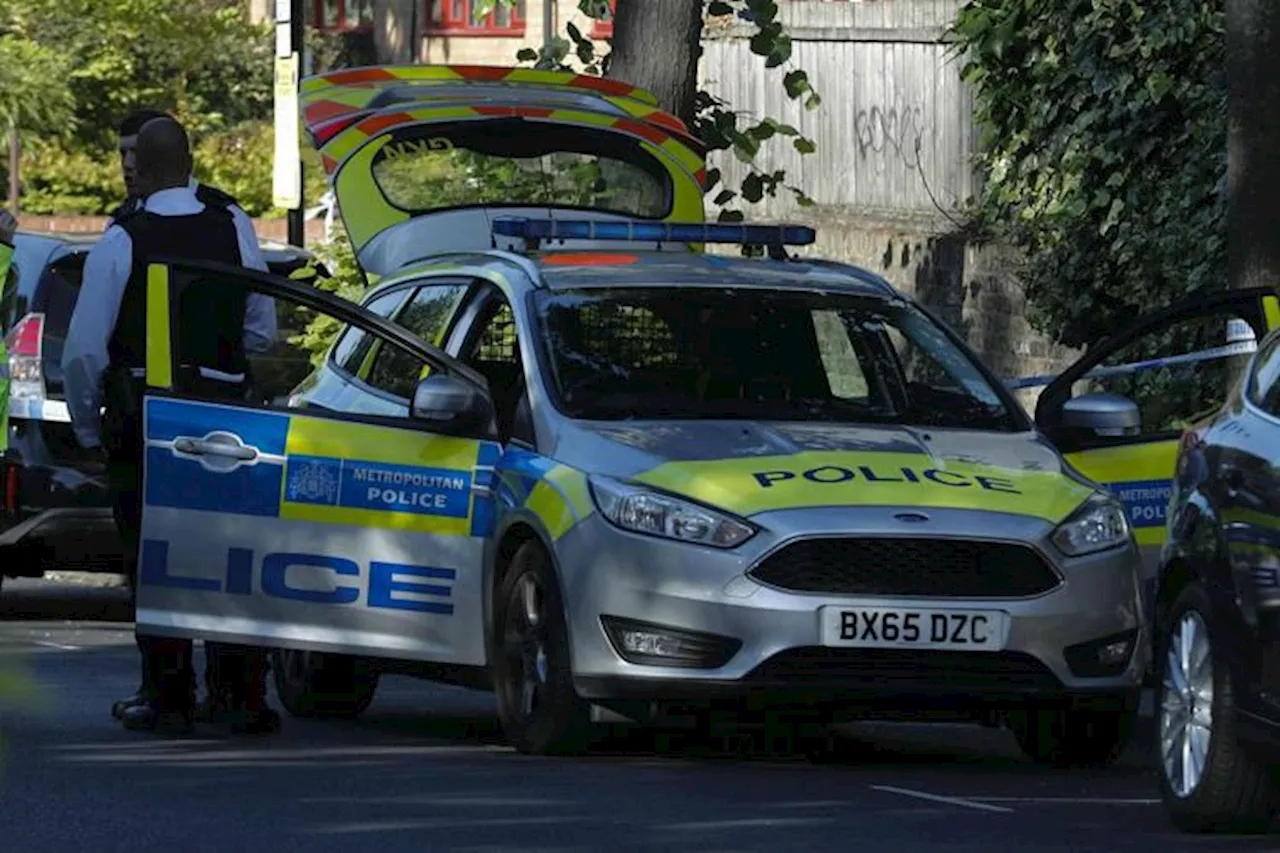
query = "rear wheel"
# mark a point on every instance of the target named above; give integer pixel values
(317, 684)
(1209, 782)
(1074, 737)
(540, 711)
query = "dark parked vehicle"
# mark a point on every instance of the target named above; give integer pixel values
(1218, 614)
(55, 511)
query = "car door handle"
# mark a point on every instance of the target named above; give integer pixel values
(201, 447)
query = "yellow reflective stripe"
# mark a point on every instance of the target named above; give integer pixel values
(1146, 536)
(365, 211)
(1271, 309)
(560, 500)
(377, 518)
(6, 259)
(159, 342)
(1239, 515)
(1127, 463)
(371, 443)
(755, 485)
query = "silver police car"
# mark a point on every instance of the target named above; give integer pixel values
(758, 483)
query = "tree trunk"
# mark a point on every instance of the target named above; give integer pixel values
(656, 46)
(1253, 140)
(15, 169)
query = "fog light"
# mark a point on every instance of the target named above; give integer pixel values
(658, 645)
(1103, 657)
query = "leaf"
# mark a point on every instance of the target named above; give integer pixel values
(813, 101)
(527, 54)
(731, 216)
(724, 197)
(718, 9)
(796, 83)
(752, 188)
(804, 146)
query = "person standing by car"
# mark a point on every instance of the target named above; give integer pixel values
(261, 315)
(105, 358)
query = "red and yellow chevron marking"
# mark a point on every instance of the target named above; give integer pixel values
(480, 73)
(334, 101)
(349, 158)
(678, 148)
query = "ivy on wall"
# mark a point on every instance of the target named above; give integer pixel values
(1103, 152)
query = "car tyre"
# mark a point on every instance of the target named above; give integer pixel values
(1233, 791)
(540, 711)
(1077, 737)
(318, 684)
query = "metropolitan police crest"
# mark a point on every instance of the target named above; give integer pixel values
(312, 482)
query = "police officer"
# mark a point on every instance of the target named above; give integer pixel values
(105, 351)
(261, 317)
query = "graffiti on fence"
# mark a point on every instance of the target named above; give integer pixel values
(893, 132)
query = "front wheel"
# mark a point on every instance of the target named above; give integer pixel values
(540, 711)
(1209, 781)
(317, 684)
(1076, 737)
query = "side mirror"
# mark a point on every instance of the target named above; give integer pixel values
(447, 401)
(1102, 414)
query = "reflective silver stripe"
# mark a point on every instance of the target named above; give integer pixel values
(206, 372)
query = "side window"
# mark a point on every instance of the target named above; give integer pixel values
(839, 358)
(1264, 384)
(354, 344)
(427, 316)
(495, 353)
(1179, 373)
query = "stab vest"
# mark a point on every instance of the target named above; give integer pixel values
(208, 196)
(208, 313)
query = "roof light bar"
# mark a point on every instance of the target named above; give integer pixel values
(677, 232)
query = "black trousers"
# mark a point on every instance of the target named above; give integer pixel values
(235, 676)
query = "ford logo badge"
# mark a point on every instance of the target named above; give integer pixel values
(911, 517)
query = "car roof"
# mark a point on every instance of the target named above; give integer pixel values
(619, 269)
(595, 268)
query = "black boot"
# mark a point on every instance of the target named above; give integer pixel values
(120, 706)
(148, 718)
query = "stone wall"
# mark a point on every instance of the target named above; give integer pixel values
(973, 287)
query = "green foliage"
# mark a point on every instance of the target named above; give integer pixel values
(200, 59)
(345, 280)
(240, 161)
(1104, 151)
(34, 95)
(445, 177)
(716, 123)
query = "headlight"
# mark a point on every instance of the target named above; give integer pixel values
(642, 511)
(1098, 525)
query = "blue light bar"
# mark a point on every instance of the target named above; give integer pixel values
(658, 232)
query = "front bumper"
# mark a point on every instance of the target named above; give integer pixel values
(773, 637)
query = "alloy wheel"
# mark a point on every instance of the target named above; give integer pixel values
(1186, 712)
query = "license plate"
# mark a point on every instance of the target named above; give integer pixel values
(912, 628)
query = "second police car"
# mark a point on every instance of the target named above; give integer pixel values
(610, 472)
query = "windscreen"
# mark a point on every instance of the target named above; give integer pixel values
(517, 162)
(677, 353)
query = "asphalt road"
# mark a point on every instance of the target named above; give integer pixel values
(426, 769)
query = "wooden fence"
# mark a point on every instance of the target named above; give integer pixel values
(894, 132)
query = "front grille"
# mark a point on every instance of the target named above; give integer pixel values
(944, 568)
(878, 669)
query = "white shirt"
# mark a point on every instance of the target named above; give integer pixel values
(106, 273)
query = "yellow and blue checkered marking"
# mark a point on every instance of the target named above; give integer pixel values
(319, 470)
(556, 494)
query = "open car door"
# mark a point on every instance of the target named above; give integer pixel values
(312, 529)
(423, 158)
(1177, 366)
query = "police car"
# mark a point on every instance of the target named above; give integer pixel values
(564, 452)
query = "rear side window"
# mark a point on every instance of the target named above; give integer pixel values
(394, 370)
(354, 344)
